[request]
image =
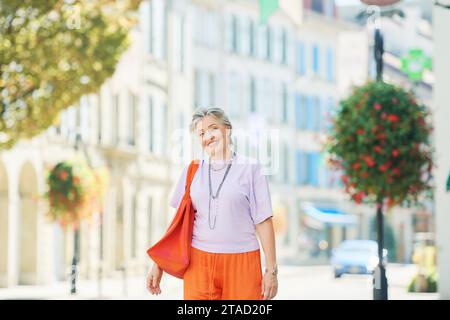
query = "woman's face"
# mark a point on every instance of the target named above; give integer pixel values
(212, 135)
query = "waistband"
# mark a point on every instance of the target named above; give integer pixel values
(252, 252)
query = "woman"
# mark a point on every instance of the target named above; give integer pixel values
(233, 206)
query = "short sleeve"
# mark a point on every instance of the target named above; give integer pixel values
(260, 200)
(178, 193)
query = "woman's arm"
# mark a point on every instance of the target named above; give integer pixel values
(266, 235)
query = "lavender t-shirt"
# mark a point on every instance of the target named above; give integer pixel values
(243, 202)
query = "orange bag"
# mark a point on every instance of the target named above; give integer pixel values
(172, 253)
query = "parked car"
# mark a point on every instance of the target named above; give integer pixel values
(356, 256)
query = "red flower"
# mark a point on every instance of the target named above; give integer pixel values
(395, 153)
(377, 106)
(390, 202)
(381, 136)
(385, 166)
(63, 175)
(356, 165)
(369, 161)
(392, 118)
(374, 129)
(396, 171)
(360, 131)
(365, 175)
(377, 149)
(76, 180)
(358, 197)
(383, 115)
(344, 179)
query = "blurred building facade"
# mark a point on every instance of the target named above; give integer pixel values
(278, 82)
(441, 25)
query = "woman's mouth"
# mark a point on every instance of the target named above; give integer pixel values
(212, 143)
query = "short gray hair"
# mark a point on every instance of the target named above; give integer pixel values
(217, 113)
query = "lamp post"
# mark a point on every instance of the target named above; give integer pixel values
(76, 238)
(380, 283)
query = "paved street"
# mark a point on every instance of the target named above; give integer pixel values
(311, 282)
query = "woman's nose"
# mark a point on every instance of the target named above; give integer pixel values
(208, 136)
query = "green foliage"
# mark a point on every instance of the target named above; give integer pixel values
(380, 140)
(51, 53)
(424, 281)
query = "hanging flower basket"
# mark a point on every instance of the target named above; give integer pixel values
(75, 191)
(380, 140)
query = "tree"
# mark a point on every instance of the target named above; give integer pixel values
(380, 140)
(51, 53)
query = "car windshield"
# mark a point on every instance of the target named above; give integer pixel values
(358, 247)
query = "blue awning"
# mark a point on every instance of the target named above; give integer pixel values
(329, 216)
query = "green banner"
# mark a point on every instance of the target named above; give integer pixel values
(266, 9)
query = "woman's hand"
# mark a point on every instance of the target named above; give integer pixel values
(153, 279)
(269, 286)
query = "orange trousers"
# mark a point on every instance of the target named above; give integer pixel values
(223, 276)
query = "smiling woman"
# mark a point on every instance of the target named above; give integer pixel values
(233, 206)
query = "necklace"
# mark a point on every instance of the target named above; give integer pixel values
(211, 194)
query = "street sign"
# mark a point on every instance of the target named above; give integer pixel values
(415, 63)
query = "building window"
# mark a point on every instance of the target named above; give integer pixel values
(313, 169)
(99, 118)
(301, 60)
(252, 95)
(301, 167)
(179, 43)
(252, 38)
(196, 88)
(134, 231)
(116, 122)
(212, 89)
(262, 41)
(269, 43)
(234, 34)
(284, 102)
(298, 111)
(330, 65)
(84, 121)
(132, 118)
(285, 164)
(284, 47)
(234, 97)
(317, 114)
(151, 131)
(316, 59)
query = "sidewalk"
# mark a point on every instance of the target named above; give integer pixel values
(295, 283)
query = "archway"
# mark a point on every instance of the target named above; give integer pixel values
(27, 234)
(4, 229)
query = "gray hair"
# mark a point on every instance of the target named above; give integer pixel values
(217, 113)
